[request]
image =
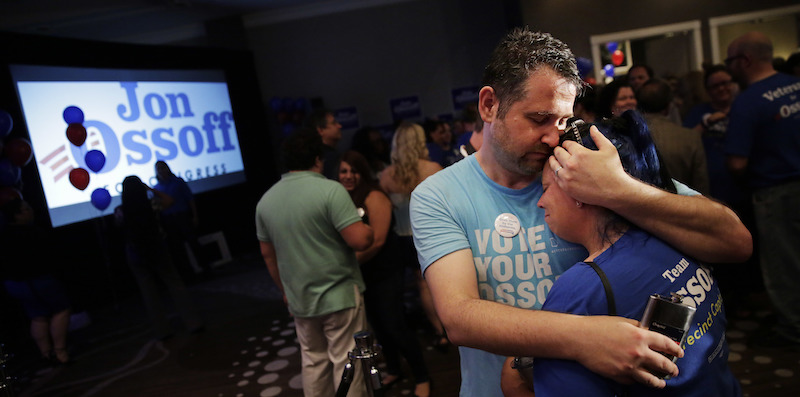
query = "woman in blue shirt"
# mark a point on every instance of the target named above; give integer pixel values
(636, 265)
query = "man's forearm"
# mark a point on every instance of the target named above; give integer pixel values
(611, 346)
(477, 323)
(271, 260)
(471, 321)
(511, 331)
(695, 225)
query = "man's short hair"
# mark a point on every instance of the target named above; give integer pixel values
(317, 119)
(654, 96)
(521, 53)
(301, 149)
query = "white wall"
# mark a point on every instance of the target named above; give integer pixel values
(574, 21)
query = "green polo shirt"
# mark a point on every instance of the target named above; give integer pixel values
(302, 216)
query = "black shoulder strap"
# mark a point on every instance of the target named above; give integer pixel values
(612, 305)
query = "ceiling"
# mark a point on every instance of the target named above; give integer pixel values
(154, 21)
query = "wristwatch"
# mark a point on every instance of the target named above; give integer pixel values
(522, 363)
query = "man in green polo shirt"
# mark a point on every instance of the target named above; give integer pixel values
(309, 230)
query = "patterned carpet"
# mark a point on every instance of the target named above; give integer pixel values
(249, 348)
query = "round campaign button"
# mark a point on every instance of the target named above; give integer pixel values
(507, 225)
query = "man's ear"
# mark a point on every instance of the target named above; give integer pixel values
(747, 59)
(487, 104)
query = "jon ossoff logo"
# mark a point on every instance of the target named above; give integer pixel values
(142, 146)
(129, 125)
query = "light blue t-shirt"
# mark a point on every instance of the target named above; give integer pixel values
(456, 208)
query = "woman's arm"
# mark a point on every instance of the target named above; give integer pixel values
(379, 209)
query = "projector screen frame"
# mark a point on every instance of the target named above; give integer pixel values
(254, 132)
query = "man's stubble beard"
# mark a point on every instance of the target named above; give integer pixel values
(511, 161)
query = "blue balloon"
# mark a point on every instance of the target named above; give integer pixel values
(584, 66)
(10, 174)
(612, 46)
(101, 199)
(6, 123)
(95, 160)
(609, 69)
(73, 114)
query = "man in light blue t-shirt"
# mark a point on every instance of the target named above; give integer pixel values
(488, 255)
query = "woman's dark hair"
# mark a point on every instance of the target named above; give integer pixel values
(607, 97)
(430, 125)
(637, 153)
(631, 136)
(139, 217)
(364, 144)
(366, 182)
(160, 162)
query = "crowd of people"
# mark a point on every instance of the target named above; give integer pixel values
(149, 219)
(518, 239)
(484, 254)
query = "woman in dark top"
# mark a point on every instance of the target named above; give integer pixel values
(624, 266)
(149, 259)
(180, 220)
(29, 272)
(383, 274)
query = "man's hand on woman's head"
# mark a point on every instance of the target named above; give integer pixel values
(591, 176)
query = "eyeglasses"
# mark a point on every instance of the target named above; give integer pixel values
(729, 60)
(721, 84)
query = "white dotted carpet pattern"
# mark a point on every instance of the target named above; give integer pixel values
(250, 349)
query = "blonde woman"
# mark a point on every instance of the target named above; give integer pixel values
(410, 166)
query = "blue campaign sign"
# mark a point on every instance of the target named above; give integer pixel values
(464, 96)
(119, 122)
(405, 108)
(347, 117)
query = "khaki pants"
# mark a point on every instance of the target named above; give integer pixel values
(324, 344)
